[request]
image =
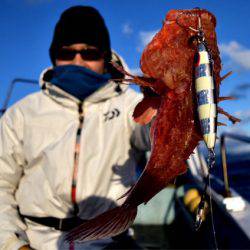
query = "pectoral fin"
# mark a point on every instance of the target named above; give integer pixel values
(146, 110)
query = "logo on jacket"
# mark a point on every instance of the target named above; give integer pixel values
(111, 114)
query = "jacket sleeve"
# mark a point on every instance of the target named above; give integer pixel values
(140, 138)
(12, 235)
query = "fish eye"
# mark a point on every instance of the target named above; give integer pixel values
(192, 41)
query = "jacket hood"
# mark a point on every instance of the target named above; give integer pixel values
(109, 90)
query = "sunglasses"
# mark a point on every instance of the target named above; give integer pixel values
(88, 54)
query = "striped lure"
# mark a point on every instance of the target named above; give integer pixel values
(207, 112)
(205, 92)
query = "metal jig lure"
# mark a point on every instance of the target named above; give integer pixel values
(207, 111)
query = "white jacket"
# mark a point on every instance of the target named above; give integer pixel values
(38, 136)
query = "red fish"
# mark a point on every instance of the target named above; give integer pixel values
(167, 64)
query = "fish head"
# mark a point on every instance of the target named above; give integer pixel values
(169, 57)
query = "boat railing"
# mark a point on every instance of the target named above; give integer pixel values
(223, 138)
(10, 90)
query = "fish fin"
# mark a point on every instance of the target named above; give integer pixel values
(105, 225)
(221, 124)
(224, 98)
(121, 69)
(126, 194)
(140, 80)
(230, 117)
(226, 75)
(146, 110)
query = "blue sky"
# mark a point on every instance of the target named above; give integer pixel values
(26, 28)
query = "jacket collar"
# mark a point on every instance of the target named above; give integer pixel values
(106, 92)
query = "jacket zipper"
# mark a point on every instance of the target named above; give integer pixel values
(76, 158)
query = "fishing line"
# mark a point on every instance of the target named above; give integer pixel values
(212, 215)
(211, 163)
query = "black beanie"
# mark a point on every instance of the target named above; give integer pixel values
(81, 24)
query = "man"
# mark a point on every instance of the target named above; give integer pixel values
(68, 152)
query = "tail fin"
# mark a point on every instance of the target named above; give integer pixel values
(108, 224)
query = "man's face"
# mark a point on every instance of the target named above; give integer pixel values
(96, 65)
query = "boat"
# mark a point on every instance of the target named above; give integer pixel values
(168, 220)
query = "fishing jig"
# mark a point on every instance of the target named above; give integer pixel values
(207, 112)
(206, 109)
